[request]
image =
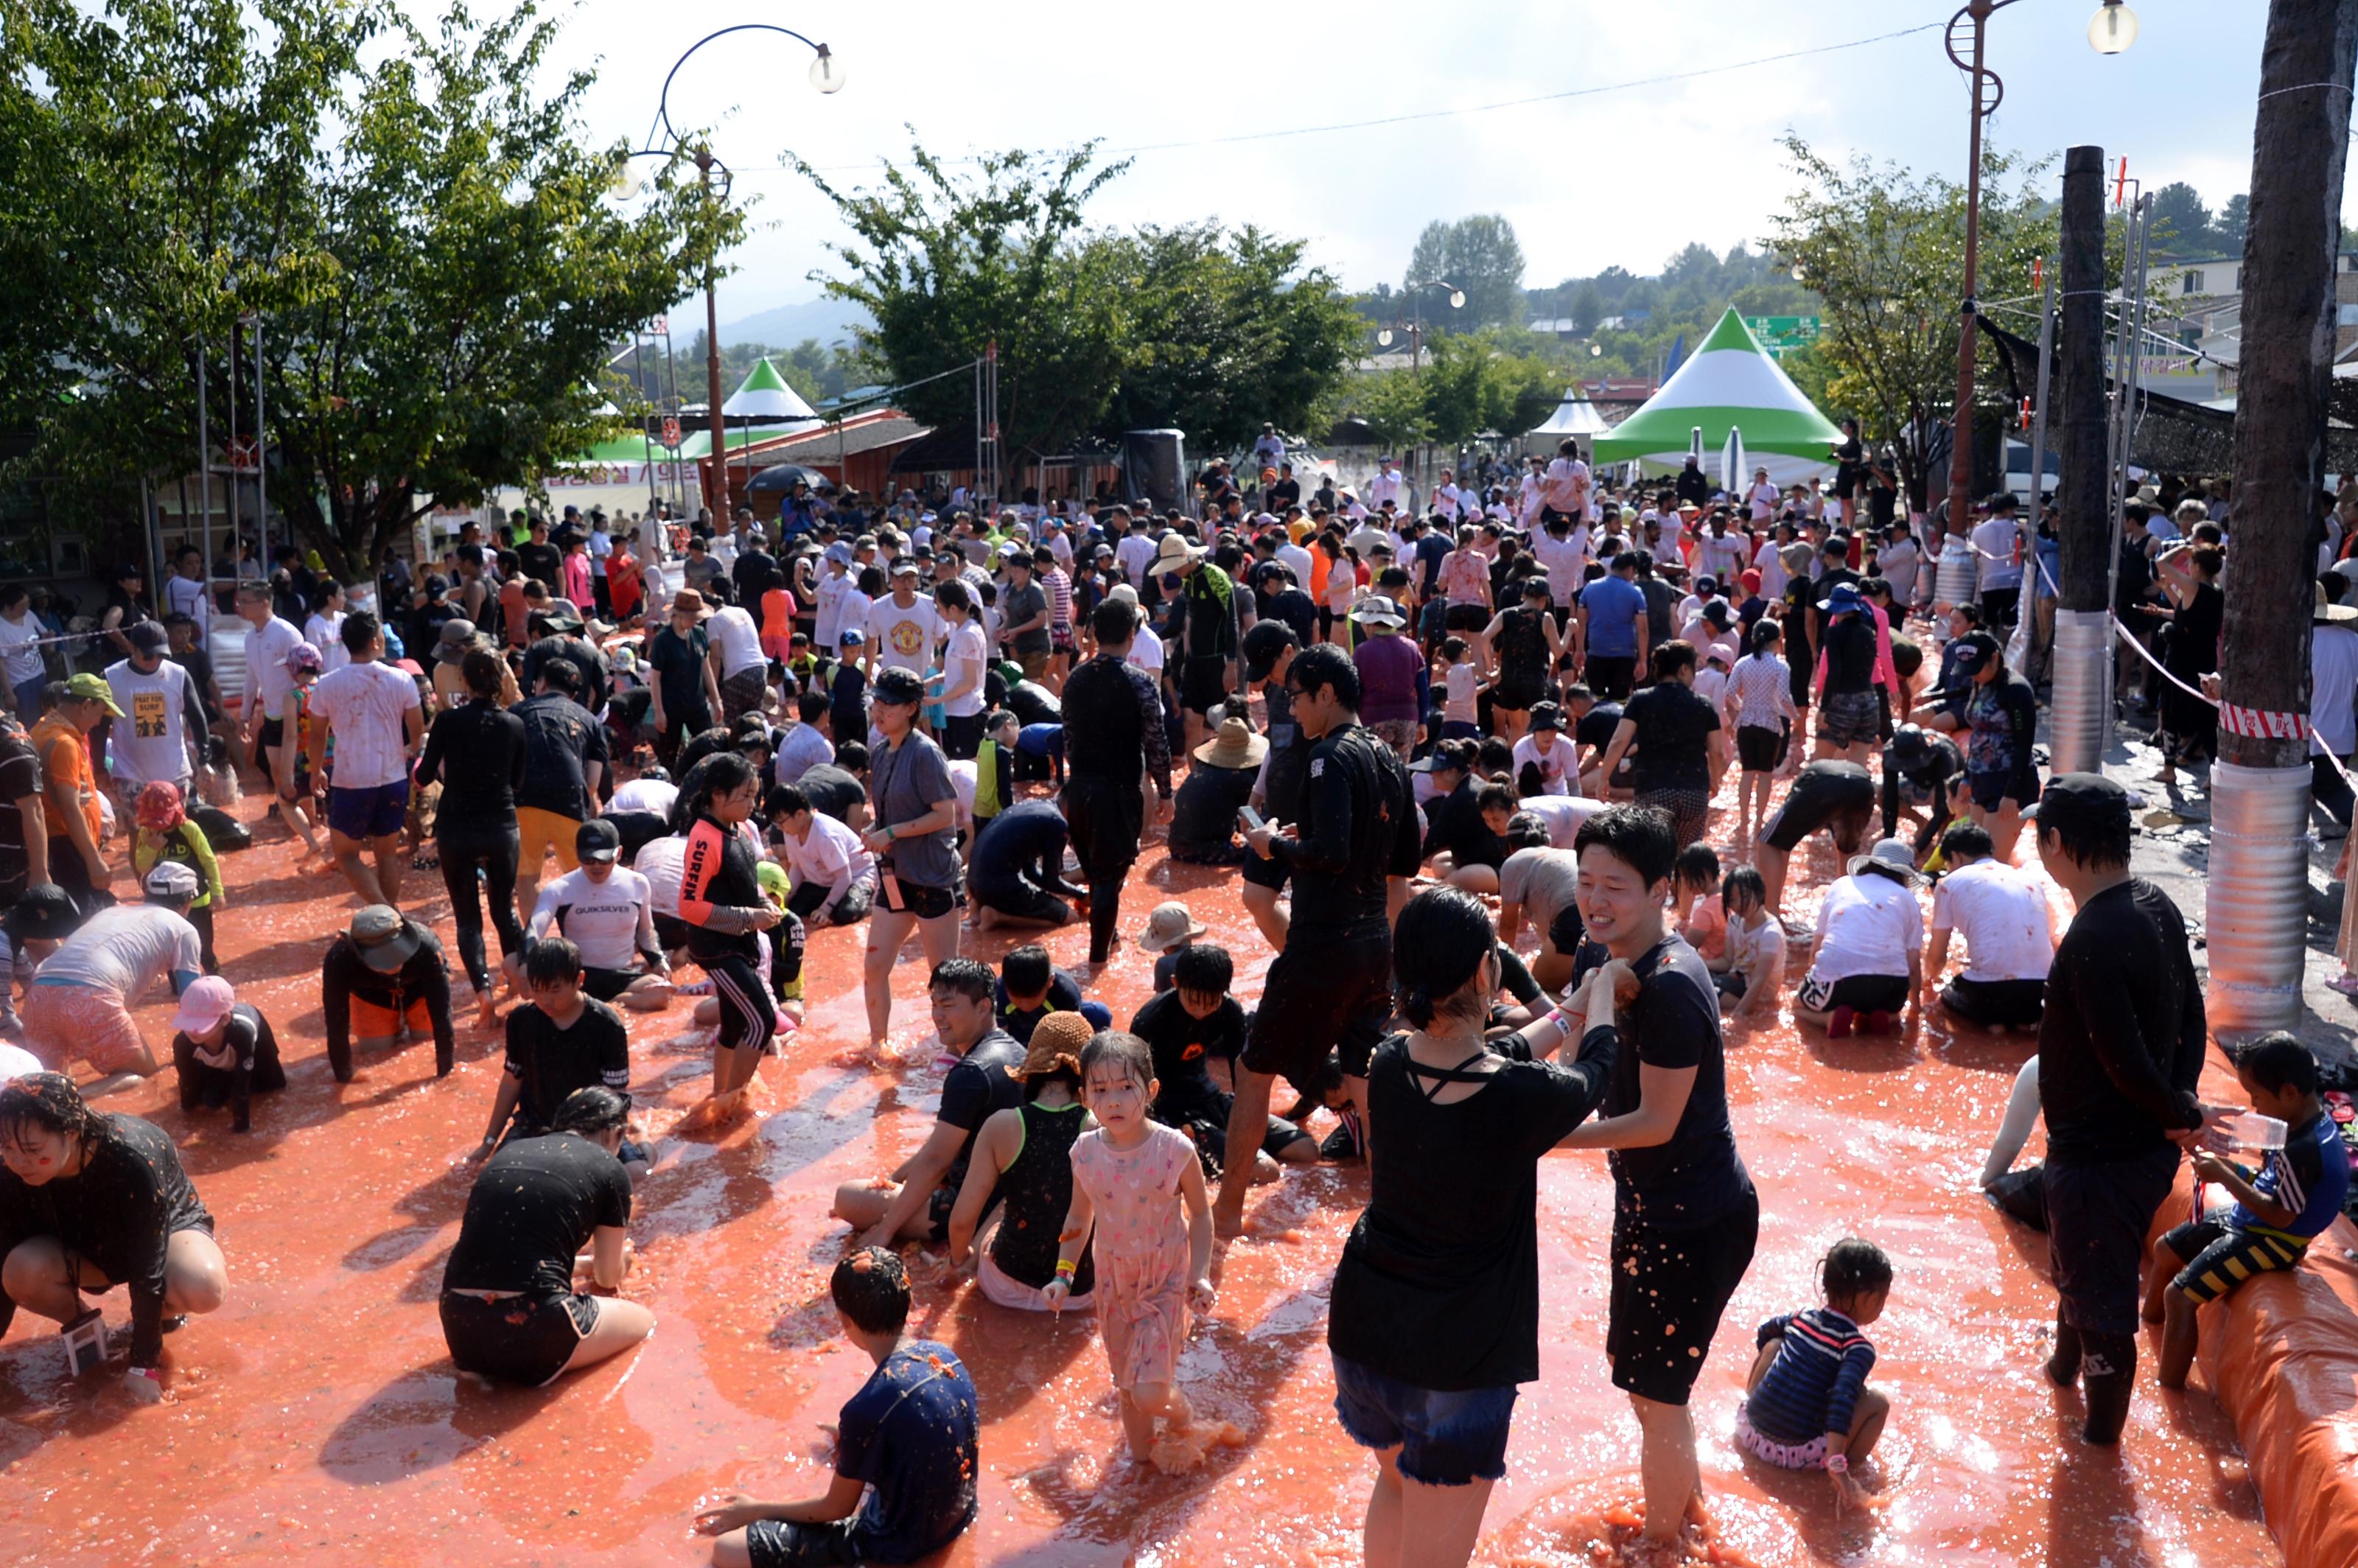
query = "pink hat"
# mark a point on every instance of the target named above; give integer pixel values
(205, 1003)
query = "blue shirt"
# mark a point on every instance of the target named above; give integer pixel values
(1813, 1385)
(909, 1434)
(1614, 604)
(2309, 1175)
(1041, 740)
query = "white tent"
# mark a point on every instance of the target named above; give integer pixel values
(1728, 384)
(1575, 415)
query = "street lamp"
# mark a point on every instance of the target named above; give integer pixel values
(826, 75)
(2112, 29)
(1414, 325)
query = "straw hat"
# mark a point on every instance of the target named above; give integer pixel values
(1169, 924)
(1236, 746)
(2329, 613)
(1173, 552)
(689, 601)
(1056, 1041)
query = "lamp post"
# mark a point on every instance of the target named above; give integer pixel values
(1415, 327)
(826, 75)
(2112, 30)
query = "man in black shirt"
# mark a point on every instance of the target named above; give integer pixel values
(1017, 876)
(2120, 1050)
(1113, 716)
(1920, 766)
(561, 1041)
(1837, 795)
(543, 562)
(1330, 985)
(565, 757)
(914, 1203)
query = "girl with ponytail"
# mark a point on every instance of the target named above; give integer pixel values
(1436, 1300)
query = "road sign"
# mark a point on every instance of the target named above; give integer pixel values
(671, 432)
(1781, 335)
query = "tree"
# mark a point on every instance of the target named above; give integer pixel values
(1227, 330)
(426, 240)
(1479, 254)
(1475, 385)
(1394, 404)
(2181, 220)
(2231, 224)
(1586, 307)
(948, 265)
(1884, 248)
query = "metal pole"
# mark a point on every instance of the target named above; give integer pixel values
(671, 379)
(638, 379)
(712, 367)
(261, 556)
(150, 525)
(262, 451)
(1961, 454)
(2018, 645)
(205, 465)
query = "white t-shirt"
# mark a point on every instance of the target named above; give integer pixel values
(1994, 543)
(1869, 924)
(1555, 765)
(962, 657)
(611, 922)
(1462, 702)
(363, 705)
(850, 615)
(1542, 881)
(266, 680)
(656, 796)
(1297, 561)
(1763, 497)
(733, 632)
(124, 951)
(1566, 486)
(18, 655)
(326, 633)
(1146, 651)
(1133, 555)
(1721, 556)
(1562, 560)
(150, 740)
(800, 749)
(964, 773)
(903, 639)
(1751, 949)
(1563, 814)
(829, 853)
(184, 596)
(828, 624)
(663, 863)
(2002, 914)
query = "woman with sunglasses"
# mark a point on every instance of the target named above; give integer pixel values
(915, 840)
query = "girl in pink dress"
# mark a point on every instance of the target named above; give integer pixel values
(1139, 1186)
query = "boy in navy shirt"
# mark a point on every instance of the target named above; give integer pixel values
(2294, 1195)
(905, 1447)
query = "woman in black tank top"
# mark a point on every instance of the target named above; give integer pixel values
(1023, 1164)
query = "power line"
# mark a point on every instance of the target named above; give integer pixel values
(1421, 114)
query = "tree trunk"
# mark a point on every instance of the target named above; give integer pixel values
(2084, 535)
(2299, 147)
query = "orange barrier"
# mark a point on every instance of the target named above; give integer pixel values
(2280, 1353)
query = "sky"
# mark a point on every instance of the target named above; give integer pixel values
(1625, 175)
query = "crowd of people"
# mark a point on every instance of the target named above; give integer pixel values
(1466, 763)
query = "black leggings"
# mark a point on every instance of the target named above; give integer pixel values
(201, 917)
(749, 1018)
(495, 848)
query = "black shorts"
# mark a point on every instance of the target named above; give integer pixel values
(1106, 816)
(1860, 993)
(672, 932)
(1206, 1124)
(1566, 931)
(1468, 617)
(607, 984)
(1758, 749)
(272, 734)
(1995, 1001)
(1808, 805)
(1322, 994)
(2219, 1257)
(1270, 873)
(2097, 1220)
(1611, 679)
(894, 896)
(1991, 790)
(1203, 684)
(1019, 898)
(775, 1543)
(1519, 693)
(518, 1339)
(1669, 1289)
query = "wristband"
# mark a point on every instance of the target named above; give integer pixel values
(152, 1374)
(1067, 1268)
(892, 834)
(1837, 1463)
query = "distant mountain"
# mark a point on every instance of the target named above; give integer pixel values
(831, 321)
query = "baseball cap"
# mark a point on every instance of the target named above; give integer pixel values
(1976, 649)
(172, 880)
(597, 839)
(386, 940)
(1265, 644)
(149, 637)
(89, 688)
(905, 567)
(2084, 801)
(205, 1003)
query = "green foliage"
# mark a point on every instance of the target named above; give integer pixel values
(1884, 249)
(1479, 254)
(1473, 385)
(427, 241)
(817, 371)
(1097, 332)
(1394, 404)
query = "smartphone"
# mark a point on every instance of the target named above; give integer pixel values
(1250, 817)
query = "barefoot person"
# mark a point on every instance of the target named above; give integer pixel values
(1807, 1405)
(1154, 1249)
(90, 1200)
(915, 840)
(905, 1447)
(1436, 1299)
(374, 712)
(385, 979)
(512, 1308)
(721, 899)
(1023, 1163)
(79, 1005)
(1685, 1217)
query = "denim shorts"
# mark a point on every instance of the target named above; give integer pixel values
(1445, 1439)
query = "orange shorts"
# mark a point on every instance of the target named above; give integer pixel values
(375, 1020)
(64, 1023)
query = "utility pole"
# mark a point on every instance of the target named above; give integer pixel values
(2085, 534)
(2301, 143)
(704, 161)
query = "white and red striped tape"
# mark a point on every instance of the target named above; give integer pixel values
(2260, 725)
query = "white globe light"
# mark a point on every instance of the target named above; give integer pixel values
(827, 71)
(1597, 350)
(1384, 338)
(2112, 28)
(1456, 299)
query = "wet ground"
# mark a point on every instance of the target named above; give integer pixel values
(318, 1416)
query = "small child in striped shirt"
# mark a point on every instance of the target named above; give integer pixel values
(1807, 1405)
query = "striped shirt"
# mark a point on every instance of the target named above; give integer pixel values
(1060, 598)
(1810, 1390)
(1760, 691)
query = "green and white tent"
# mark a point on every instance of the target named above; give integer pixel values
(764, 398)
(1728, 383)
